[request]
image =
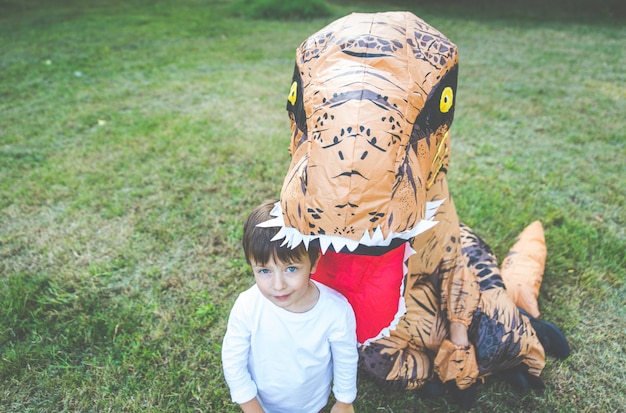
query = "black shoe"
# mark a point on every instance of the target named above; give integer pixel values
(515, 378)
(552, 339)
(432, 388)
(521, 380)
(535, 382)
(465, 398)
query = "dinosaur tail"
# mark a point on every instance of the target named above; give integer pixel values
(522, 269)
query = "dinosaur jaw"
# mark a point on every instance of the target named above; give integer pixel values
(378, 302)
(292, 237)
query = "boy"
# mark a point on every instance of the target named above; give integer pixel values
(288, 337)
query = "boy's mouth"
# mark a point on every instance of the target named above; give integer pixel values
(282, 297)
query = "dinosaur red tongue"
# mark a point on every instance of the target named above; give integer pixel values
(372, 284)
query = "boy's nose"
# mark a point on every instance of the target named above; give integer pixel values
(279, 282)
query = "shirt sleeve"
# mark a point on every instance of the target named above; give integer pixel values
(345, 358)
(235, 353)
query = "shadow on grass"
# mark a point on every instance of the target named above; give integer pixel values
(535, 11)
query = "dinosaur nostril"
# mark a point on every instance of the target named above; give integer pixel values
(340, 155)
(364, 155)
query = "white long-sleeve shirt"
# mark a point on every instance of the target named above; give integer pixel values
(288, 360)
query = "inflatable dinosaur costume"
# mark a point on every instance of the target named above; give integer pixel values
(371, 104)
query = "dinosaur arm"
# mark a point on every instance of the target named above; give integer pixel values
(459, 286)
(459, 294)
(438, 259)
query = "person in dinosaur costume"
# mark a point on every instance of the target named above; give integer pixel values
(371, 105)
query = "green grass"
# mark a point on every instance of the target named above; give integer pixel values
(136, 136)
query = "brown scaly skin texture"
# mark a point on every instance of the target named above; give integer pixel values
(371, 106)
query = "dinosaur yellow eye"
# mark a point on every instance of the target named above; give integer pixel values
(447, 98)
(293, 93)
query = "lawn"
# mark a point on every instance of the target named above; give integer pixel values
(135, 136)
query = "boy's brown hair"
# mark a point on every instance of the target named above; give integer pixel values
(257, 241)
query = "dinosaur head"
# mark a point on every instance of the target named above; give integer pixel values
(371, 104)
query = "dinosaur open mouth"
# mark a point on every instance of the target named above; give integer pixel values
(384, 274)
(292, 237)
(378, 302)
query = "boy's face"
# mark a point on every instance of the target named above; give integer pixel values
(287, 285)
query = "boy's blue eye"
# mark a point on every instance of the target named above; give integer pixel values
(291, 269)
(264, 271)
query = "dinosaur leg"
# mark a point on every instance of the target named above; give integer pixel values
(393, 362)
(404, 359)
(504, 338)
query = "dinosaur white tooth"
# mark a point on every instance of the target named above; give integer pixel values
(408, 251)
(424, 226)
(431, 208)
(282, 233)
(338, 243)
(366, 239)
(296, 240)
(277, 210)
(274, 222)
(324, 244)
(352, 245)
(379, 238)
